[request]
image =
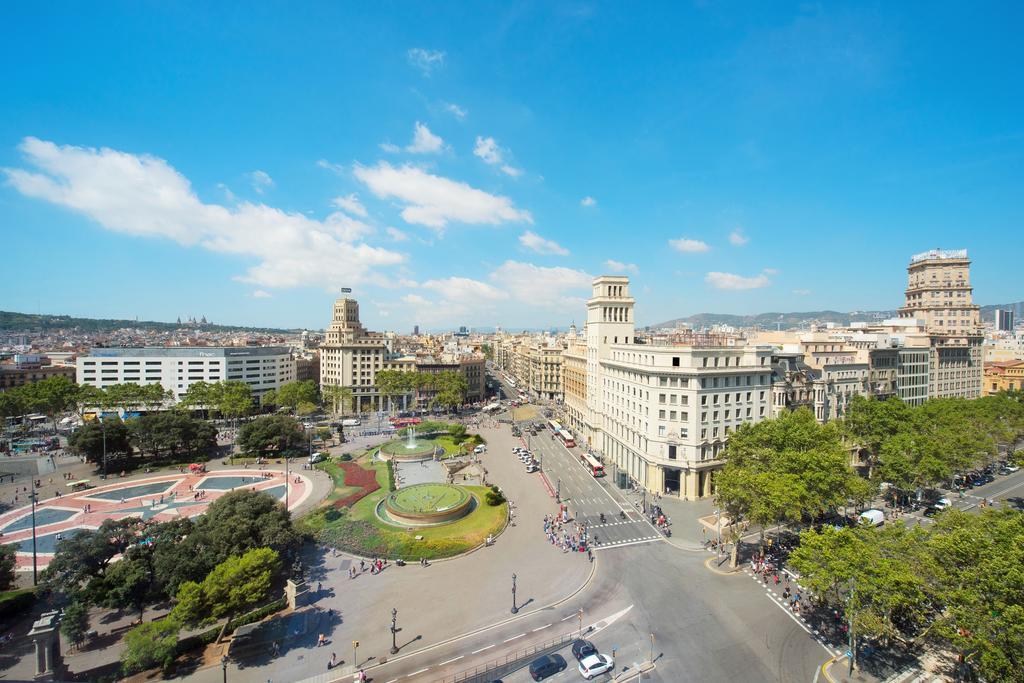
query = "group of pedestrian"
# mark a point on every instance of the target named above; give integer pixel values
(560, 533)
(377, 565)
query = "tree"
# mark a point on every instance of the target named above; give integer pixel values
(75, 622)
(239, 521)
(129, 583)
(232, 399)
(88, 439)
(131, 395)
(12, 403)
(338, 397)
(81, 561)
(174, 432)
(293, 394)
(391, 383)
(51, 397)
(237, 583)
(149, 645)
(270, 434)
(784, 470)
(8, 555)
(451, 389)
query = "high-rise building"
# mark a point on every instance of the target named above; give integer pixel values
(1004, 320)
(351, 356)
(939, 294)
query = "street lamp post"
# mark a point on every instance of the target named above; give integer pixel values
(558, 491)
(515, 608)
(394, 631)
(580, 617)
(103, 429)
(849, 618)
(224, 667)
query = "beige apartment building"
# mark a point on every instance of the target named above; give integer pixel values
(574, 388)
(351, 356)
(939, 293)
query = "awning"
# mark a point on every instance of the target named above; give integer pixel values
(80, 482)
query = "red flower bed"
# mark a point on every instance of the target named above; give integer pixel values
(355, 475)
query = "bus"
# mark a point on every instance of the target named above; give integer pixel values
(399, 422)
(566, 438)
(592, 464)
(555, 426)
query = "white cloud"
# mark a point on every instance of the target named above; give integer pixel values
(688, 246)
(351, 204)
(425, 60)
(423, 141)
(415, 300)
(336, 168)
(511, 171)
(464, 290)
(770, 271)
(588, 201)
(396, 234)
(228, 194)
(801, 292)
(144, 196)
(620, 267)
(260, 180)
(390, 148)
(535, 242)
(737, 238)
(543, 287)
(736, 282)
(261, 294)
(487, 149)
(454, 109)
(434, 200)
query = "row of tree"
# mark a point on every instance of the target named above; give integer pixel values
(959, 584)
(915, 447)
(447, 388)
(158, 435)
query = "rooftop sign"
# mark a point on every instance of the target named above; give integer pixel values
(939, 254)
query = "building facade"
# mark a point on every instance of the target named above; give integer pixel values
(574, 389)
(1004, 376)
(29, 370)
(261, 367)
(939, 293)
(351, 356)
(1003, 320)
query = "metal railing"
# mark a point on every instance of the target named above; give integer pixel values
(516, 659)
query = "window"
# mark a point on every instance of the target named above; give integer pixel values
(672, 416)
(661, 430)
(661, 414)
(661, 398)
(663, 381)
(671, 452)
(704, 417)
(675, 361)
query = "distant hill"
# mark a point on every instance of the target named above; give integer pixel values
(28, 322)
(787, 320)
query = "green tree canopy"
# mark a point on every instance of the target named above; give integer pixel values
(8, 555)
(88, 440)
(235, 584)
(271, 435)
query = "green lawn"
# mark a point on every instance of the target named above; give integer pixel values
(338, 475)
(358, 529)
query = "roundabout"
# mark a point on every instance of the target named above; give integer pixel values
(426, 505)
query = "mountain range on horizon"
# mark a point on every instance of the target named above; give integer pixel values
(12, 322)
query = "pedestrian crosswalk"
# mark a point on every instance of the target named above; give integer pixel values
(604, 545)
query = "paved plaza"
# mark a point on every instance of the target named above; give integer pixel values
(161, 498)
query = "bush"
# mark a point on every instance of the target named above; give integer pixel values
(391, 475)
(494, 497)
(149, 645)
(258, 614)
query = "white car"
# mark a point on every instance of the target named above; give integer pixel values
(942, 503)
(480, 449)
(595, 665)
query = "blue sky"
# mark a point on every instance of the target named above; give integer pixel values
(478, 164)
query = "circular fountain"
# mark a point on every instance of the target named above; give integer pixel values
(410, 448)
(426, 505)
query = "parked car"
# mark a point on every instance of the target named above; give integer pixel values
(582, 648)
(595, 664)
(316, 457)
(532, 467)
(545, 666)
(480, 449)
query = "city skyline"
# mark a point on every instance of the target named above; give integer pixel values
(458, 170)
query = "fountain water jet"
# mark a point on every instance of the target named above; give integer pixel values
(410, 442)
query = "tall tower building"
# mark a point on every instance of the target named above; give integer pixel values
(609, 321)
(939, 294)
(1004, 320)
(351, 356)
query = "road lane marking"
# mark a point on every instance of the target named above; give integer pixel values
(482, 649)
(571, 616)
(509, 640)
(417, 673)
(453, 659)
(539, 628)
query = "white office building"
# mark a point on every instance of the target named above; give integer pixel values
(261, 367)
(663, 412)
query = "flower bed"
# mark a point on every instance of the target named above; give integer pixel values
(355, 475)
